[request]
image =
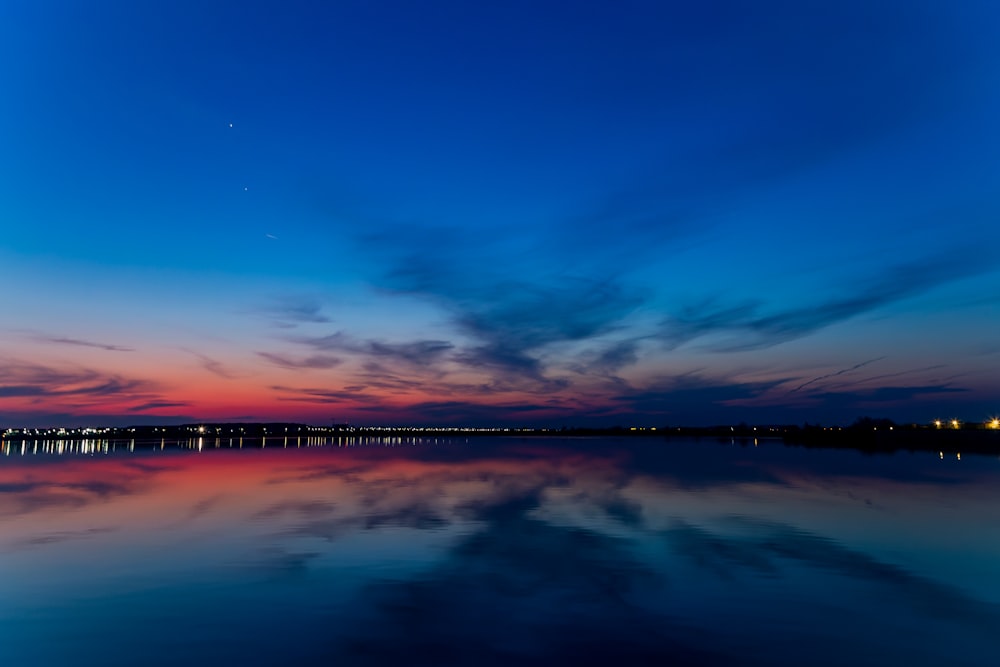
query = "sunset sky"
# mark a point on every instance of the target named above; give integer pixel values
(525, 213)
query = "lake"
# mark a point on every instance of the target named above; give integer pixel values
(494, 550)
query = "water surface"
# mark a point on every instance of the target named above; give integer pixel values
(495, 550)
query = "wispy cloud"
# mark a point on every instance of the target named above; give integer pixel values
(691, 398)
(843, 371)
(67, 395)
(289, 311)
(18, 379)
(512, 323)
(316, 361)
(418, 353)
(157, 405)
(745, 327)
(213, 366)
(64, 340)
(883, 395)
(325, 395)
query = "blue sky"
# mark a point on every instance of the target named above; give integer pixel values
(639, 212)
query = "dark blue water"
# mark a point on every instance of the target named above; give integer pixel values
(496, 551)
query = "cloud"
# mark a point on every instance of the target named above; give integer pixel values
(837, 373)
(842, 402)
(417, 353)
(744, 327)
(157, 405)
(213, 366)
(19, 379)
(289, 311)
(504, 324)
(318, 361)
(607, 359)
(466, 412)
(11, 391)
(41, 395)
(692, 399)
(90, 417)
(323, 395)
(512, 322)
(887, 395)
(62, 340)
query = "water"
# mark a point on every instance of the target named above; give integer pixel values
(494, 551)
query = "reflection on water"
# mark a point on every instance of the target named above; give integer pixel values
(489, 551)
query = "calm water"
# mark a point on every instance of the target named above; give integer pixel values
(491, 551)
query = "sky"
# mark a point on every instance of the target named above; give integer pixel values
(516, 213)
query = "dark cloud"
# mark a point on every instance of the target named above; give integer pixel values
(508, 321)
(289, 311)
(887, 395)
(691, 399)
(843, 403)
(466, 412)
(745, 327)
(18, 379)
(321, 395)
(425, 365)
(417, 353)
(843, 371)
(156, 405)
(513, 322)
(377, 374)
(47, 418)
(605, 361)
(12, 391)
(525, 317)
(885, 376)
(213, 366)
(617, 355)
(316, 361)
(62, 340)
(505, 359)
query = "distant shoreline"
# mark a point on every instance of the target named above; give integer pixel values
(973, 439)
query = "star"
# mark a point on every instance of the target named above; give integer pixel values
(230, 125)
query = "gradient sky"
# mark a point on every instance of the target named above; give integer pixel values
(519, 212)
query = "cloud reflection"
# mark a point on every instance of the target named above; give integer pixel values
(529, 550)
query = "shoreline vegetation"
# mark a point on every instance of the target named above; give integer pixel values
(875, 435)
